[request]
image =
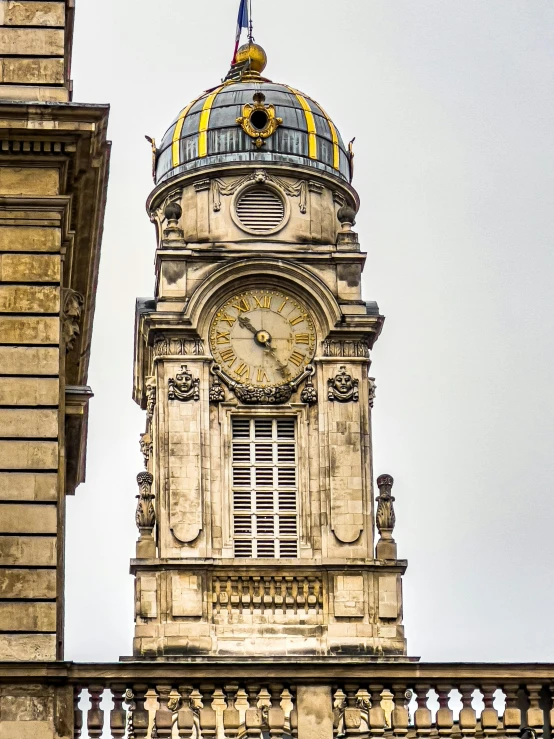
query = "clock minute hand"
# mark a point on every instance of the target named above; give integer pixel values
(244, 322)
(271, 350)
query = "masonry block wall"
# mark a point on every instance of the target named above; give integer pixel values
(53, 176)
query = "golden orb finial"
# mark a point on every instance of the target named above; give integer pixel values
(255, 54)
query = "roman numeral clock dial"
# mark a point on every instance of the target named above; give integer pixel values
(263, 338)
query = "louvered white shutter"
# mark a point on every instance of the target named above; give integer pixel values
(260, 210)
(265, 487)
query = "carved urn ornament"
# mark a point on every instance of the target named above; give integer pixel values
(343, 387)
(184, 386)
(385, 518)
(259, 120)
(145, 516)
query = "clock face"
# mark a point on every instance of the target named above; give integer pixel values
(262, 337)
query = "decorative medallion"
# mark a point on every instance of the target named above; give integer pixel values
(184, 386)
(259, 120)
(343, 387)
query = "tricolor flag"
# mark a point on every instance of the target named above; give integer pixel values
(242, 22)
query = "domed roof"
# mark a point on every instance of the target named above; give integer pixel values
(252, 120)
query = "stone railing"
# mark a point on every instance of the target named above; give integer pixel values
(309, 698)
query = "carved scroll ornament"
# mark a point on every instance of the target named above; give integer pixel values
(145, 516)
(267, 117)
(343, 387)
(297, 189)
(184, 386)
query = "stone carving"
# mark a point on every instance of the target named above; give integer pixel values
(250, 395)
(145, 517)
(346, 348)
(174, 347)
(172, 214)
(150, 397)
(372, 389)
(385, 518)
(73, 303)
(343, 387)
(217, 393)
(146, 447)
(184, 387)
(259, 120)
(297, 189)
(309, 393)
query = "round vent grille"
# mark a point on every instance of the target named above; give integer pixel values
(260, 210)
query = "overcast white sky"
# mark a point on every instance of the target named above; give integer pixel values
(452, 106)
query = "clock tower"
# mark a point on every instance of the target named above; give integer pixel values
(256, 506)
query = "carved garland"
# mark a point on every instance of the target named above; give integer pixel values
(251, 395)
(297, 189)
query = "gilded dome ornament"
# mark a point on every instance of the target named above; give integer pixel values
(259, 121)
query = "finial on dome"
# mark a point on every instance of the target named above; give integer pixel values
(254, 54)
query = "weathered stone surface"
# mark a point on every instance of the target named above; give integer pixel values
(32, 41)
(28, 551)
(29, 267)
(29, 391)
(27, 730)
(30, 330)
(186, 595)
(28, 486)
(28, 423)
(148, 602)
(28, 518)
(27, 616)
(32, 71)
(29, 238)
(24, 647)
(28, 455)
(349, 595)
(315, 715)
(27, 180)
(16, 584)
(34, 93)
(388, 596)
(28, 360)
(29, 13)
(29, 299)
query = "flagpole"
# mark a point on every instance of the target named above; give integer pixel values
(251, 27)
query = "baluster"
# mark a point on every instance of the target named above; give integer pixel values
(445, 717)
(140, 714)
(254, 718)
(293, 718)
(207, 715)
(423, 719)
(376, 712)
(185, 716)
(231, 715)
(276, 715)
(77, 713)
(468, 717)
(118, 715)
(489, 716)
(164, 716)
(400, 718)
(512, 713)
(95, 717)
(535, 716)
(352, 713)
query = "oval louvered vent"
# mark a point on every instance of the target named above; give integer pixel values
(260, 210)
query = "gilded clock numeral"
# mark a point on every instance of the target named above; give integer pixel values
(298, 319)
(263, 302)
(226, 317)
(243, 371)
(262, 376)
(285, 301)
(242, 306)
(297, 358)
(302, 338)
(228, 356)
(222, 337)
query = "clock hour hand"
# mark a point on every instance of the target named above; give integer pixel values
(244, 322)
(261, 337)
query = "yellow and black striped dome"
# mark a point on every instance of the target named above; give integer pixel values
(208, 132)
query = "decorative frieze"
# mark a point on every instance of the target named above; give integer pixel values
(268, 593)
(298, 189)
(343, 387)
(184, 386)
(178, 347)
(346, 348)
